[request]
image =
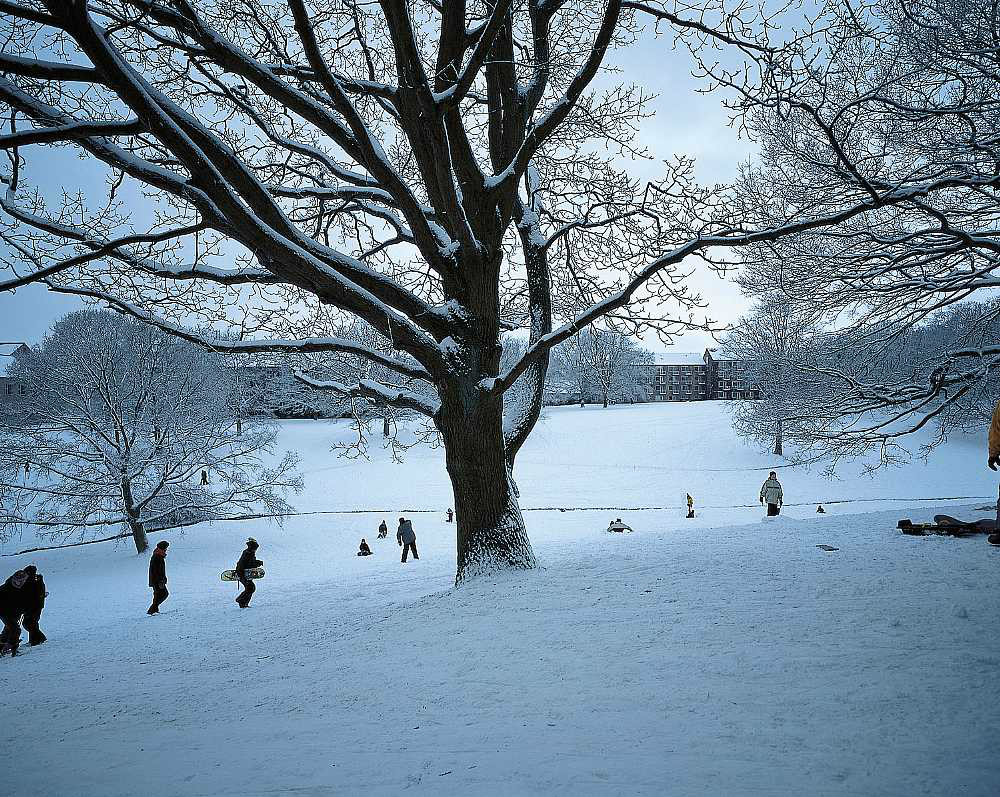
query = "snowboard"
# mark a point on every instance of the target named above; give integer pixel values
(230, 575)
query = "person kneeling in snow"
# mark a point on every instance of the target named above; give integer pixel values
(364, 550)
(770, 493)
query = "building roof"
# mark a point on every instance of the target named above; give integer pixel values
(10, 349)
(679, 358)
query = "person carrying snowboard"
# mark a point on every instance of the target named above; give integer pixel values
(158, 576)
(12, 596)
(406, 538)
(771, 494)
(363, 549)
(248, 561)
(383, 530)
(34, 602)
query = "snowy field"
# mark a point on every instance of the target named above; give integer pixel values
(725, 655)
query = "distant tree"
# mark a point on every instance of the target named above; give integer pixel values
(119, 422)
(773, 341)
(612, 361)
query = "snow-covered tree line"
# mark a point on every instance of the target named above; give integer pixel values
(123, 425)
(594, 366)
(443, 170)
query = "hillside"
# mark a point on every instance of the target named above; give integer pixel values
(723, 655)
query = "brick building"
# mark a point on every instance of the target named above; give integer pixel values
(699, 377)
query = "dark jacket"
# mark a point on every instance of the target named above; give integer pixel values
(248, 561)
(12, 599)
(34, 595)
(404, 534)
(157, 570)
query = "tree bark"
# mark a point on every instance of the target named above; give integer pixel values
(491, 535)
(135, 526)
(778, 439)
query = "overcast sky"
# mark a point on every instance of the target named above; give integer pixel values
(685, 122)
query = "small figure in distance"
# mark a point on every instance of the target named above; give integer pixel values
(406, 538)
(383, 530)
(158, 576)
(618, 526)
(451, 515)
(204, 478)
(690, 513)
(993, 443)
(772, 495)
(820, 510)
(363, 549)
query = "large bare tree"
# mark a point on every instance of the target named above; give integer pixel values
(442, 170)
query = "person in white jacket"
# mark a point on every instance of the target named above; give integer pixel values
(770, 493)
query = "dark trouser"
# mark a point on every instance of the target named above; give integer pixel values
(773, 510)
(35, 635)
(11, 634)
(248, 590)
(159, 595)
(407, 547)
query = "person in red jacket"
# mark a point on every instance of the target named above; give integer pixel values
(158, 576)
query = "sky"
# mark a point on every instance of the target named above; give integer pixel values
(685, 122)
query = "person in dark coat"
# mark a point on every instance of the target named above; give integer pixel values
(12, 597)
(451, 515)
(158, 576)
(34, 602)
(383, 530)
(406, 538)
(363, 549)
(248, 561)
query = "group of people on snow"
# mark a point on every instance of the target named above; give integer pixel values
(22, 598)
(247, 562)
(406, 538)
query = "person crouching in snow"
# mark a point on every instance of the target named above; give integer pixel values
(406, 538)
(770, 493)
(363, 549)
(248, 561)
(158, 576)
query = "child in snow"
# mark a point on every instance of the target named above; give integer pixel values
(618, 526)
(383, 530)
(690, 513)
(363, 549)
(771, 494)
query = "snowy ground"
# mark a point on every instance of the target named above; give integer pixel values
(726, 655)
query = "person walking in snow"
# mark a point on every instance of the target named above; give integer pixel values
(12, 596)
(771, 494)
(383, 530)
(406, 538)
(248, 561)
(158, 576)
(363, 549)
(34, 602)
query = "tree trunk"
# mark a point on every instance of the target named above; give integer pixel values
(385, 426)
(777, 439)
(138, 536)
(490, 530)
(136, 527)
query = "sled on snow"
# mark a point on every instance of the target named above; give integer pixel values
(252, 574)
(947, 526)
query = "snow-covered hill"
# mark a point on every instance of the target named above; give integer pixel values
(723, 655)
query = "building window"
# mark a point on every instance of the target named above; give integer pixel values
(20, 389)
(10, 389)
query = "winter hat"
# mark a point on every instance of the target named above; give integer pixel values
(252, 543)
(31, 570)
(162, 545)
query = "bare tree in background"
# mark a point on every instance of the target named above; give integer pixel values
(117, 424)
(776, 345)
(612, 363)
(442, 170)
(897, 94)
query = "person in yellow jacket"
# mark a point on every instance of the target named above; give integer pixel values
(993, 462)
(690, 513)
